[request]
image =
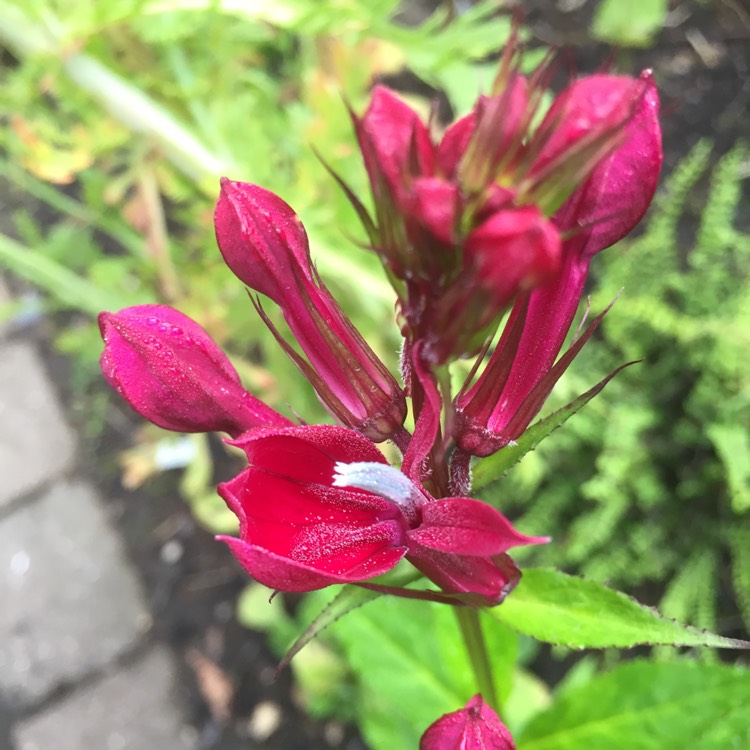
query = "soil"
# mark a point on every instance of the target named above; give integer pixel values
(701, 63)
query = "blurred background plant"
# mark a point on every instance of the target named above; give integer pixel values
(119, 117)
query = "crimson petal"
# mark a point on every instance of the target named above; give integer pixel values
(470, 527)
(283, 574)
(485, 581)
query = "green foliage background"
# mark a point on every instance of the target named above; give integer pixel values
(118, 119)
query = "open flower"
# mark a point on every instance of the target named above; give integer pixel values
(298, 532)
(319, 505)
(474, 727)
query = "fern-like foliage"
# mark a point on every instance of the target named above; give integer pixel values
(649, 487)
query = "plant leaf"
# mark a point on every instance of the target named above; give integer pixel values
(626, 24)
(569, 611)
(347, 599)
(411, 666)
(68, 287)
(648, 706)
(733, 448)
(492, 468)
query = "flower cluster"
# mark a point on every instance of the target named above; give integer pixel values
(501, 214)
(504, 211)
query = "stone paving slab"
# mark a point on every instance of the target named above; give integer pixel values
(36, 443)
(5, 300)
(70, 602)
(132, 710)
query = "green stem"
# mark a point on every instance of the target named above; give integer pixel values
(471, 631)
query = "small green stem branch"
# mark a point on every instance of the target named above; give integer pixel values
(157, 236)
(471, 631)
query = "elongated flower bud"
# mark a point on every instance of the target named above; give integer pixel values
(525, 366)
(261, 239)
(265, 245)
(173, 373)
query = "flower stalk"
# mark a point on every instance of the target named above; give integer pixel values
(472, 635)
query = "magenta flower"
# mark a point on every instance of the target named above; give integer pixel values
(503, 213)
(320, 505)
(265, 245)
(474, 727)
(458, 258)
(499, 212)
(299, 532)
(464, 225)
(173, 373)
(522, 371)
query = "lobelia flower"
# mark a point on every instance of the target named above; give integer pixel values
(474, 727)
(265, 245)
(497, 211)
(438, 241)
(501, 209)
(522, 370)
(319, 505)
(173, 373)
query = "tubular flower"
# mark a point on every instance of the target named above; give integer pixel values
(467, 225)
(264, 243)
(499, 213)
(299, 532)
(320, 505)
(474, 727)
(522, 370)
(437, 240)
(173, 373)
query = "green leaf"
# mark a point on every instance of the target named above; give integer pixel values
(258, 609)
(69, 288)
(648, 706)
(491, 469)
(412, 666)
(569, 611)
(529, 697)
(347, 599)
(733, 446)
(322, 677)
(630, 24)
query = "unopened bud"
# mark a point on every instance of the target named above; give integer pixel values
(173, 373)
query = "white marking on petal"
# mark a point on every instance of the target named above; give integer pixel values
(379, 478)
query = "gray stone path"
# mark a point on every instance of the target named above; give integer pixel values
(78, 669)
